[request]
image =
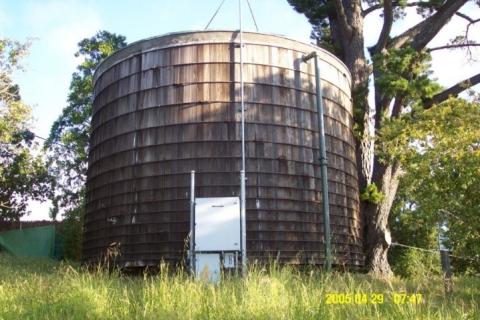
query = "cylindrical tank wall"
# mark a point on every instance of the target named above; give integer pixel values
(168, 105)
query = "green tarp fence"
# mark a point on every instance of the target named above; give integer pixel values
(31, 242)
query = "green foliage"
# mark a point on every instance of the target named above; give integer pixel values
(23, 174)
(11, 52)
(70, 133)
(412, 263)
(39, 289)
(324, 38)
(412, 227)
(445, 133)
(405, 73)
(359, 107)
(439, 149)
(317, 12)
(372, 194)
(71, 232)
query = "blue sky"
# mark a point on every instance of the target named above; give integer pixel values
(57, 26)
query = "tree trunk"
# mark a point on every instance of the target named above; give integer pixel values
(353, 55)
(378, 239)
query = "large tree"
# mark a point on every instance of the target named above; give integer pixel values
(23, 176)
(398, 66)
(69, 136)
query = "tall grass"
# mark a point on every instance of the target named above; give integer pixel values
(42, 289)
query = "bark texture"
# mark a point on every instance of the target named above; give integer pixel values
(351, 43)
(386, 177)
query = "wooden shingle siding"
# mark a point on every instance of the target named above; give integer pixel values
(168, 105)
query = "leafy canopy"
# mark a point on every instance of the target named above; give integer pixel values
(70, 133)
(23, 174)
(440, 151)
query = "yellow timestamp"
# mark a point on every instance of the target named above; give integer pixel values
(372, 298)
(354, 298)
(405, 298)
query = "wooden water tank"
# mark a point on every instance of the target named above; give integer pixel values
(168, 105)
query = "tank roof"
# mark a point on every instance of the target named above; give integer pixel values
(182, 38)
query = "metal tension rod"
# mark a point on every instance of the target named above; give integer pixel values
(243, 202)
(192, 223)
(323, 160)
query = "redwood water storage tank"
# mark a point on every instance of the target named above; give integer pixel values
(167, 105)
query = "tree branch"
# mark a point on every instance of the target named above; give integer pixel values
(342, 19)
(453, 91)
(5, 206)
(422, 33)
(464, 16)
(387, 26)
(454, 46)
(469, 25)
(397, 107)
(396, 4)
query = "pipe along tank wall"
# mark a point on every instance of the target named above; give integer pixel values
(171, 104)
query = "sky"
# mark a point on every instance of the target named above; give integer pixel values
(56, 26)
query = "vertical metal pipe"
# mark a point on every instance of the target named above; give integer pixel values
(243, 233)
(242, 100)
(445, 259)
(323, 160)
(323, 165)
(243, 224)
(192, 222)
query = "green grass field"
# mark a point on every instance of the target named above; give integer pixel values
(43, 289)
